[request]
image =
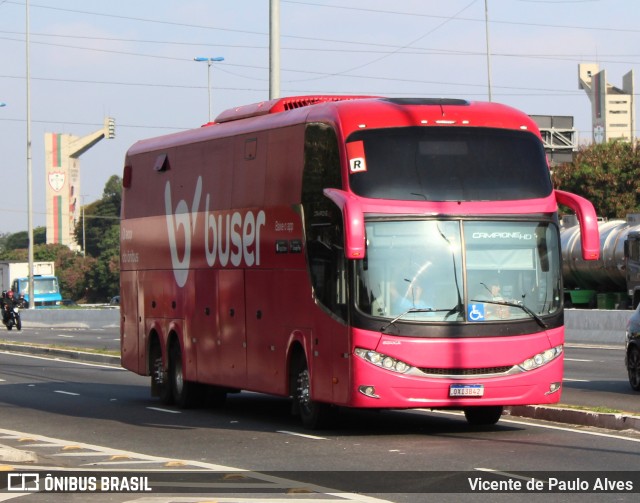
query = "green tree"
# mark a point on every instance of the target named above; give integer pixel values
(20, 240)
(102, 237)
(74, 274)
(606, 174)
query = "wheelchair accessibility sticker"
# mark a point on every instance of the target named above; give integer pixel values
(475, 312)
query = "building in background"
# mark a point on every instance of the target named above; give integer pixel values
(612, 108)
(62, 169)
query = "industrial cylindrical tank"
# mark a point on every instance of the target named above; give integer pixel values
(605, 274)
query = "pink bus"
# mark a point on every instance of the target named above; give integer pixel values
(348, 251)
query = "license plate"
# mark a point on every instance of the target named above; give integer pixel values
(466, 390)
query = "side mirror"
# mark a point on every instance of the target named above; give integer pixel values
(353, 218)
(588, 220)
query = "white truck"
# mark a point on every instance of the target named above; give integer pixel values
(15, 276)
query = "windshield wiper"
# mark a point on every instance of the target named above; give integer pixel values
(458, 308)
(519, 304)
(412, 310)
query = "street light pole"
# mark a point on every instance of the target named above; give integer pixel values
(209, 62)
(486, 30)
(32, 295)
(84, 241)
(274, 49)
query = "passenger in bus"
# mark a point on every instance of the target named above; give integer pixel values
(492, 290)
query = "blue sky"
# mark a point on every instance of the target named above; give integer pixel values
(133, 60)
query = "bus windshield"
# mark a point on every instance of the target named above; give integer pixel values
(451, 164)
(459, 271)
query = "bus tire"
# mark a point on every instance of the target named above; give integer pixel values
(633, 367)
(159, 377)
(313, 414)
(182, 390)
(483, 416)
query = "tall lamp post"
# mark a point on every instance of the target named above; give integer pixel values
(209, 63)
(32, 293)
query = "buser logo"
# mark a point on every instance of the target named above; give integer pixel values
(229, 238)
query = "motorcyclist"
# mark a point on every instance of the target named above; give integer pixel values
(8, 303)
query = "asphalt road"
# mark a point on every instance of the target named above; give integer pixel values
(96, 339)
(86, 416)
(597, 377)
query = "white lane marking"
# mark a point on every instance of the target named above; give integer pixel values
(158, 409)
(67, 336)
(66, 392)
(7, 497)
(303, 435)
(566, 379)
(544, 426)
(578, 360)
(506, 474)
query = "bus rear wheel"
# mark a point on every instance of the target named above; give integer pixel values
(159, 379)
(182, 391)
(483, 416)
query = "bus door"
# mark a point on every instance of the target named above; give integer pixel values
(330, 346)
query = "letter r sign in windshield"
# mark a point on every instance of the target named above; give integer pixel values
(355, 153)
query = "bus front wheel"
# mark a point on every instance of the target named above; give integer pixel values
(483, 416)
(312, 414)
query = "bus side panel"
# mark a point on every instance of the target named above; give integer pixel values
(278, 304)
(162, 304)
(131, 353)
(285, 161)
(266, 352)
(231, 367)
(203, 326)
(249, 170)
(329, 365)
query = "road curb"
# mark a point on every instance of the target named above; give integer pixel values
(69, 354)
(610, 421)
(12, 455)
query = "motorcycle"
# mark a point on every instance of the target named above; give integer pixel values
(12, 318)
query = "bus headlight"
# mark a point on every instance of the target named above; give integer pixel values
(541, 359)
(383, 361)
